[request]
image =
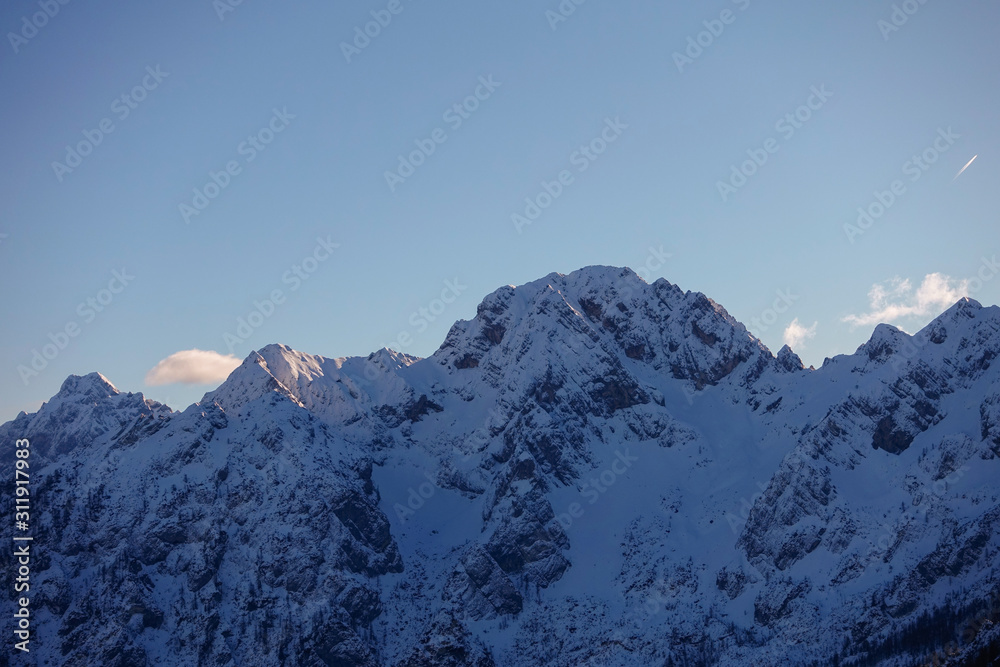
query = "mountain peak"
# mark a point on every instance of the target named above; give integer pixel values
(964, 308)
(287, 364)
(589, 278)
(92, 385)
(885, 341)
(788, 360)
(612, 311)
(255, 377)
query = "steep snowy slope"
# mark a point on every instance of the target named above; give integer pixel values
(593, 470)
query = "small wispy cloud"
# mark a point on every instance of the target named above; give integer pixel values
(796, 335)
(192, 367)
(897, 299)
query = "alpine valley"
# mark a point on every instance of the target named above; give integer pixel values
(592, 471)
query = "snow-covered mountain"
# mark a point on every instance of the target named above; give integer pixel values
(592, 471)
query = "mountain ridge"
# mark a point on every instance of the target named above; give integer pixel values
(593, 470)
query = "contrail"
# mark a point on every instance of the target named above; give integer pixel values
(965, 167)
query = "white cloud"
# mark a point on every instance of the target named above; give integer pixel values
(796, 334)
(896, 300)
(192, 367)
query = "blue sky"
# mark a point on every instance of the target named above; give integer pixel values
(208, 86)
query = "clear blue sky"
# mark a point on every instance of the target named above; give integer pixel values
(323, 174)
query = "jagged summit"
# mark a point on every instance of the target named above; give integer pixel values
(963, 322)
(683, 334)
(885, 341)
(966, 311)
(86, 408)
(788, 360)
(92, 385)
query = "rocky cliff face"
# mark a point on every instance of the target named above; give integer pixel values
(593, 470)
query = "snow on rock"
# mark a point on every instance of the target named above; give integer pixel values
(593, 470)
